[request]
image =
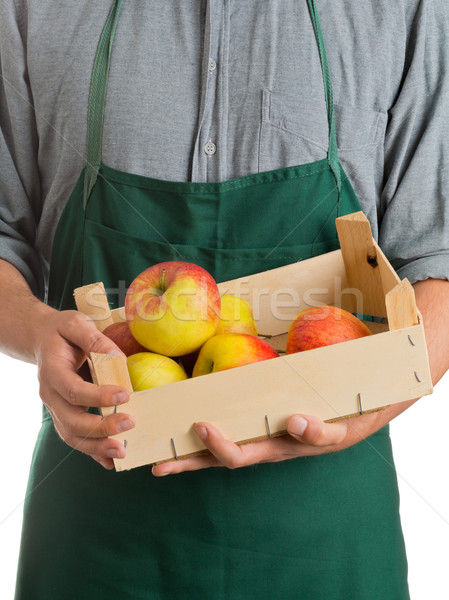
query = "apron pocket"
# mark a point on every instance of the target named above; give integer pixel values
(116, 257)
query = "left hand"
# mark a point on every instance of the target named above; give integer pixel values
(308, 436)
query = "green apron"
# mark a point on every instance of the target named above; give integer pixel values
(325, 527)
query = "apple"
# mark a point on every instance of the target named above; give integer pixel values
(122, 337)
(229, 350)
(323, 326)
(173, 307)
(148, 370)
(236, 316)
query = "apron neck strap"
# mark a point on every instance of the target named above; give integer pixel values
(332, 151)
(97, 97)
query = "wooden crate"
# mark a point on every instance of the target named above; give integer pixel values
(251, 402)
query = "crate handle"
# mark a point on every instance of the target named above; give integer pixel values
(92, 300)
(367, 268)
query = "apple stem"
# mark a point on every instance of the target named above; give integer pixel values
(162, 280)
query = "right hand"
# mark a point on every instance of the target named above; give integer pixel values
(66, 339)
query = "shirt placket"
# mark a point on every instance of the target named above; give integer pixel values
(209, 155)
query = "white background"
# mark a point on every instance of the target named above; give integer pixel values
(421, 454)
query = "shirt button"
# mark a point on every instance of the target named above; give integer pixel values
(212, 65)
(210, 148)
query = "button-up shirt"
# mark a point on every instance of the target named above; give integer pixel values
(217, 89)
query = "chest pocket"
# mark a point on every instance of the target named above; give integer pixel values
(294, 131)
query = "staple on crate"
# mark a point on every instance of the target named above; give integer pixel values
(417, 377)
(411, 341)
(174, 448)
(267, 423)
(359, 400)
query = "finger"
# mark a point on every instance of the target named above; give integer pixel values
(78, 392)
(234, 456)
(223, 453)
(264, 453)
(80, 423)
(87, 432)
(226, 452)
(102, 449)
(61, 379)
(87, 425)
(314, 432)
(195, 463)
(79, 329)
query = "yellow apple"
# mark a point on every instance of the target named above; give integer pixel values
(229, 350)
(236, 316)
(173, 307)
(323, 326)
(148, 370)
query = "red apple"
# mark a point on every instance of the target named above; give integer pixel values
(230, 350)
(148, 370)
(323, 326)
(122, 337)
(173, 308)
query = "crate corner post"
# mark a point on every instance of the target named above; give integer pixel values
(92, 300)
(109, 369)
(401, 306)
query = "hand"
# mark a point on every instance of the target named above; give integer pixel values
(307, 436)
(64, 341)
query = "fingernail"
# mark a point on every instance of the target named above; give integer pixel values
(297, 425)
(113, 453)
(125, 425)
(201, 432)
(115, 352)
(120, 398)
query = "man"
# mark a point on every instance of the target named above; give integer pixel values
(209, 92)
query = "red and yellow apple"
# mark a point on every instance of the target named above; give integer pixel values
(236, 316)
(173, 307)
(323, 326)
(148, 370)
(122, 337)
(229, 350)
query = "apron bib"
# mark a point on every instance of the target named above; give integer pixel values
(324, 527)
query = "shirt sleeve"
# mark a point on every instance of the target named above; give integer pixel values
(19, 175)
(414, 228)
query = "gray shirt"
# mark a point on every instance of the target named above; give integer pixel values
(244, 75)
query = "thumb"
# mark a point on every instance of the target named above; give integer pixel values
(80, 330)
(104, 345)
